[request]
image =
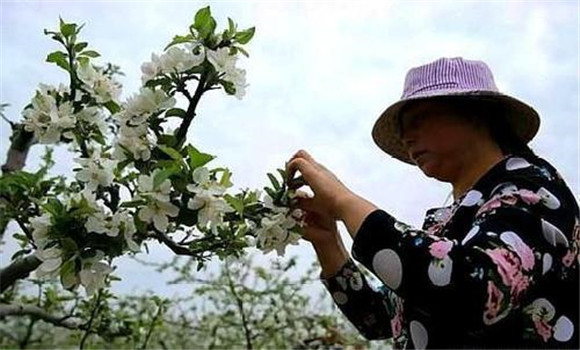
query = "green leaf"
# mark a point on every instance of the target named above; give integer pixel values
(175, 112)
(197, 158)
(245, 36)
(270, 192)
(60, 58)
(231, 26)
(162, 176)
(80, 46)
(112, 107)
(20, 237)
(20, 253)
(167, 139)
(90, 53)
(228, 87)
(67, 29)
(69, 245)
(173, 153)
(274, 182)
(132, 204)
(244, 52)
(204, 23)
(180, 39)
(83, 60)
(236, 203)
(226, 176)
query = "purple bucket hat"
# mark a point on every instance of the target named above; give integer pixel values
(457, 78)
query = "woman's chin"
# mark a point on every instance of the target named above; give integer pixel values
(431, 169)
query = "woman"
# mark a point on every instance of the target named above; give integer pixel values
(498, 268)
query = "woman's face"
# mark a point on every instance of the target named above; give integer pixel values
(439, 139)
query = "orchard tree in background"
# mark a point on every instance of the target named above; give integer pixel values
(244, 306)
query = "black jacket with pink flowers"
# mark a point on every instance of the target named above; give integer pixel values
(499, 268)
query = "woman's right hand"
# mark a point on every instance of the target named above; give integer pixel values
(318, 228)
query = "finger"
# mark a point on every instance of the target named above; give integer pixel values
(302, 194)
(307, 204)
(303, 154)
(302, 165)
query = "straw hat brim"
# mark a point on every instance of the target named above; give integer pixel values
(523, 119)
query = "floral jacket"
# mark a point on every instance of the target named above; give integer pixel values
(499, 268)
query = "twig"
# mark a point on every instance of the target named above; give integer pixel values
(190, 113)
(152, 326)
(240, 303)
(90, 323)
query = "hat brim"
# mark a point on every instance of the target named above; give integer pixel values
(523, 119)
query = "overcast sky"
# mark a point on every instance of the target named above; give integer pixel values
(320, 74)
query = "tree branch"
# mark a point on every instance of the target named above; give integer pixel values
(21, 141)
(39, 313)
(18, 269)
(240, 303)
(90, 323)
(182, 250)
(190, 113)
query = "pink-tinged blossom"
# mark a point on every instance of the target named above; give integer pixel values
(543, 329)
(493, 304)
(529, 197)
(440, 249)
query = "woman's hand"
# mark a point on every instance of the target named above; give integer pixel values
(318, 229)
(332, 199)
(329, 192)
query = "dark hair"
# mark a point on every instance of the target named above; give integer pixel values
(489, 113)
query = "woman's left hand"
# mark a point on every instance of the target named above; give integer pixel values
(329, 192)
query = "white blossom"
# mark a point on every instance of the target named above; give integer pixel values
(102, 87)
(208, 200)
(221, 59)
(174, 60)
(150, 69)
(46, 120)
(158, 207)
(93, 276)
(237, 77)
(40, 226)
(96, 171)
(51, 261)
(97, 223)
(274, 233)
(94, 116)
(180, 60)
(211, 208)
(124, 220)
(148, 101)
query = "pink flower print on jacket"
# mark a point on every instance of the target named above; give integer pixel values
(529, 197)
(440, 249)
(523, 251)
(541, 312)
(493, 306)
(510, 270)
